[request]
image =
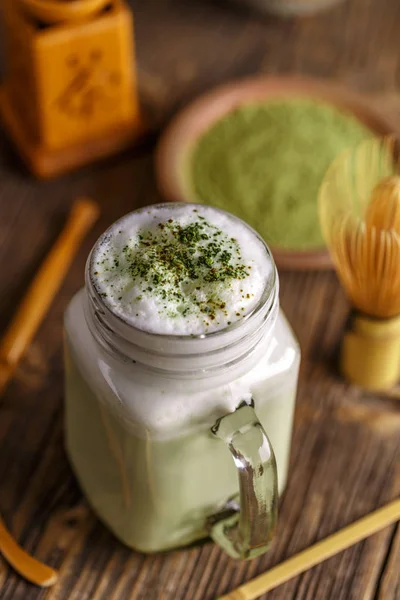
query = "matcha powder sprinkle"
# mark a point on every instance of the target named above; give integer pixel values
(180, 269)
(265, 163)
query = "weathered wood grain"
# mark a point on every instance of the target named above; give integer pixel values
(346, 446)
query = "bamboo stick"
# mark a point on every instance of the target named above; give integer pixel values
(44, 287)
(30, 568)
(317, 553)
(17, 338)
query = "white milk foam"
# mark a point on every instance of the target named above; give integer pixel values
(137, 283)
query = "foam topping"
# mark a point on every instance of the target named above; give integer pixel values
(180, 269)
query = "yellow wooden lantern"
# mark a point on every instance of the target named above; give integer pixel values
(70, 93)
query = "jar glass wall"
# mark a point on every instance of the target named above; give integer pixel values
(155, 488)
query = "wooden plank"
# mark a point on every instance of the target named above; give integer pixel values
(346, 444)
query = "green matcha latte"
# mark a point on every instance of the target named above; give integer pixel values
(265, 162)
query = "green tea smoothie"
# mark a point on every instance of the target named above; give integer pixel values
(178, 325)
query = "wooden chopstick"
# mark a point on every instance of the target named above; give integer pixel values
(317, 553)
(18, 336)
(44, 287)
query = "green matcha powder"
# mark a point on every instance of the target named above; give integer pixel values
(265, 163)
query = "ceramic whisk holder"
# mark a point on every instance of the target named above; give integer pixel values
(70, 93)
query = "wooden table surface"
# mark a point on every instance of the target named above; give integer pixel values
(346, 445)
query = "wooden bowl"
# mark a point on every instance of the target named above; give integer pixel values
(196, 118)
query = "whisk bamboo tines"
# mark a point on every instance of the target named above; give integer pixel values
(360, 217)
(383, 211)
(368, 263)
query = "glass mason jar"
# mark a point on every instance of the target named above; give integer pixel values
(174, 438)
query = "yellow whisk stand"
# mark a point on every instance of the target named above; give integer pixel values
(370, 353)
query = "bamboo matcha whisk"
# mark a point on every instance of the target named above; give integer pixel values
(359, 205)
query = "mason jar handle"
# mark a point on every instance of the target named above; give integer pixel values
(247, 531)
